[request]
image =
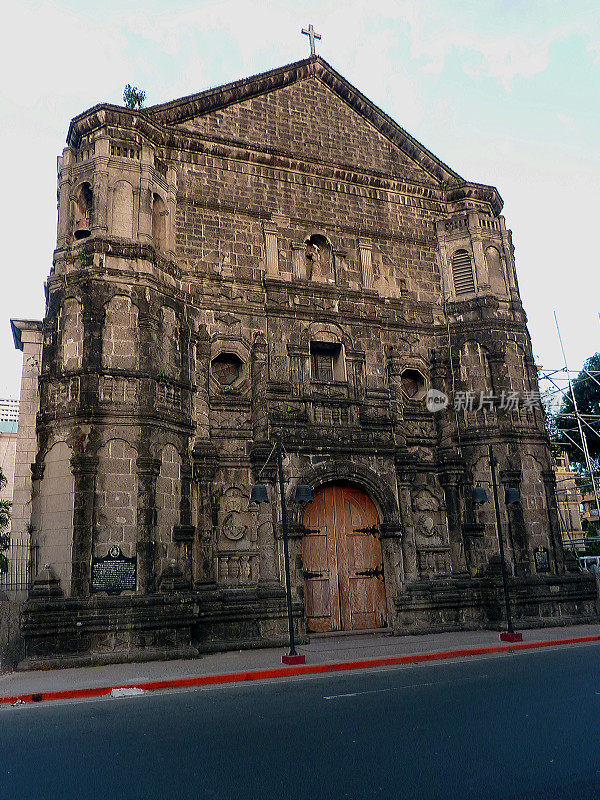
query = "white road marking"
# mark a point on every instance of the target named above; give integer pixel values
(407, 686)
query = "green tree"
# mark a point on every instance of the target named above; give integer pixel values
(563, 425)
(4, 523)
(133, 97)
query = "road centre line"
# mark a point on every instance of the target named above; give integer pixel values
(407, 686)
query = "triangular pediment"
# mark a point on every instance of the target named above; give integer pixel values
(308, 111)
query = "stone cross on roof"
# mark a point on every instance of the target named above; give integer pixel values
(311, 33)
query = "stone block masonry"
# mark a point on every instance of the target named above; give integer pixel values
(277, 256)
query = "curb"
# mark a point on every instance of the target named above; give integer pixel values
(281, 672)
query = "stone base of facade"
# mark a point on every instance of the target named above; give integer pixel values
(431, 606)
(238, 618)
(103, 630)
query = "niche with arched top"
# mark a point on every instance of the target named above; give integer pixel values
(495, 271)
(84, 204)
(318, 255)
(122, 209)
(159, 223)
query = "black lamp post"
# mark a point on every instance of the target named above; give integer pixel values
(303, 495)
(512, 498)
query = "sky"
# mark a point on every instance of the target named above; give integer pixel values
(506, 92)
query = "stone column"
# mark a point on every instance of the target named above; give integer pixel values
(451, 482)
(100, 184)
(267, 557)
(482, 281)
(145, 202)
(271, 251)
(516, 534)
(148, 470)
(395, 387)
(298, 264)
(65, 179)
(84, 468)
(201, 378)
(172, 210)
(365, 247)
(260, 420)
(409, 549)
(555, 539)
(185, 531)
(28, 337)
(205, 462)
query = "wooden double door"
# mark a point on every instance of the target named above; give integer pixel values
(342, 562)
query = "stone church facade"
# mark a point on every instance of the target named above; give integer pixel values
(278, 255)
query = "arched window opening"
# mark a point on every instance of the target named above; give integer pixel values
(319, 259)
(462, 273)
(83, 211)
(159, 222)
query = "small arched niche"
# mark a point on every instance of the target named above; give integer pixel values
(318, 255)
(159, 223)
(122, 217)
(495, 271)
(84, 198)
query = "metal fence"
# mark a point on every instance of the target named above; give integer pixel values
(22, 566)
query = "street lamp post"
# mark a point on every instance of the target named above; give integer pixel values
(293, 657)
(303, 494)
(512, 496)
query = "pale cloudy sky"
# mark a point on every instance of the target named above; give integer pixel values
(504, 91)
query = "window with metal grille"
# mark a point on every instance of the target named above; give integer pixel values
(462, 273)
(327, 362)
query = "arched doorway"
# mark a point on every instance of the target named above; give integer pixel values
(343, 561)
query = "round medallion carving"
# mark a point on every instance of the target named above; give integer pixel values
(233, 527)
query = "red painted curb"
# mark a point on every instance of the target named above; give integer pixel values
(280, 672)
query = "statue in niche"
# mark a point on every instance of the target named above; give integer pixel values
(319, 259)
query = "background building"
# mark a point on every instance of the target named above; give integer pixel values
(569, 499)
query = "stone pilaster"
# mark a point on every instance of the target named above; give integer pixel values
(148, 470)
(28, 337)
(259, 388)
(84, 468)
(451, 481)
(205, 460)
(271, 251)
(554, 536)
(365, 247)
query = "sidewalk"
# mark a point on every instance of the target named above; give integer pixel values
(345, 651)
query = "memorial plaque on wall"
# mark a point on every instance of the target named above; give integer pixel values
(542, 562)
(114, 573)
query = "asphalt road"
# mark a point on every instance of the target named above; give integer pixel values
(523, 725)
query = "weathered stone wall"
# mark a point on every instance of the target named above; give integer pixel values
(231, 243)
